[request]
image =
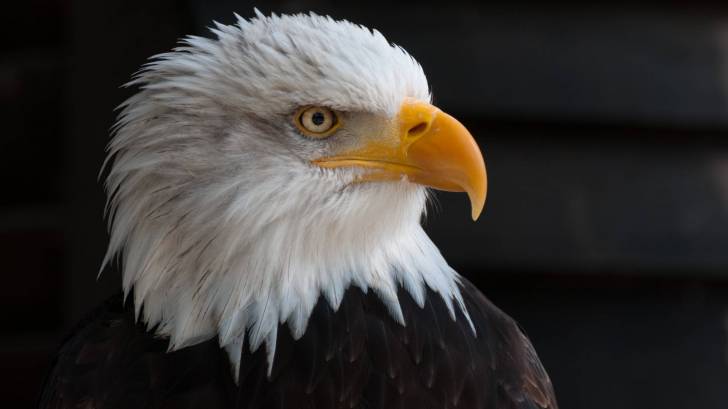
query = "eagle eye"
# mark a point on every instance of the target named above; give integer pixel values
(316, 122)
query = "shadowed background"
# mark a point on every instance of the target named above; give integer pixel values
(604, 127)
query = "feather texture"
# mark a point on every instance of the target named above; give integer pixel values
(355, 357)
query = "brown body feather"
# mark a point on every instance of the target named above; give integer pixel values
(355, 357)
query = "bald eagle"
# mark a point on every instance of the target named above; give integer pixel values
(266, 188)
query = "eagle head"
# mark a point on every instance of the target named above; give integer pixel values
(287, 158)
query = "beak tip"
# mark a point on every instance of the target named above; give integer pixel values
(477, 202)
(476, 212)
(477, 190)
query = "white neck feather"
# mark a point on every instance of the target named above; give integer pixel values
(238, 264)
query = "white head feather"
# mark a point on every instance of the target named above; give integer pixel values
(223, 226)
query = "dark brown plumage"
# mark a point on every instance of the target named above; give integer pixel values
(356, 357)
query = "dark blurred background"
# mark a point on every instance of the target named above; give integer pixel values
(605, 129)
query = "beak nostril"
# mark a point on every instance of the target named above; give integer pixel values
(417, 130)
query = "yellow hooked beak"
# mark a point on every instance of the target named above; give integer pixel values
(428, 147)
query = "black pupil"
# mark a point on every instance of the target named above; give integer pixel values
(318, 118)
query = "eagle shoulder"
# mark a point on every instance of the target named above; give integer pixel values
(356, 357)
(522, 381)
(111, 362)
